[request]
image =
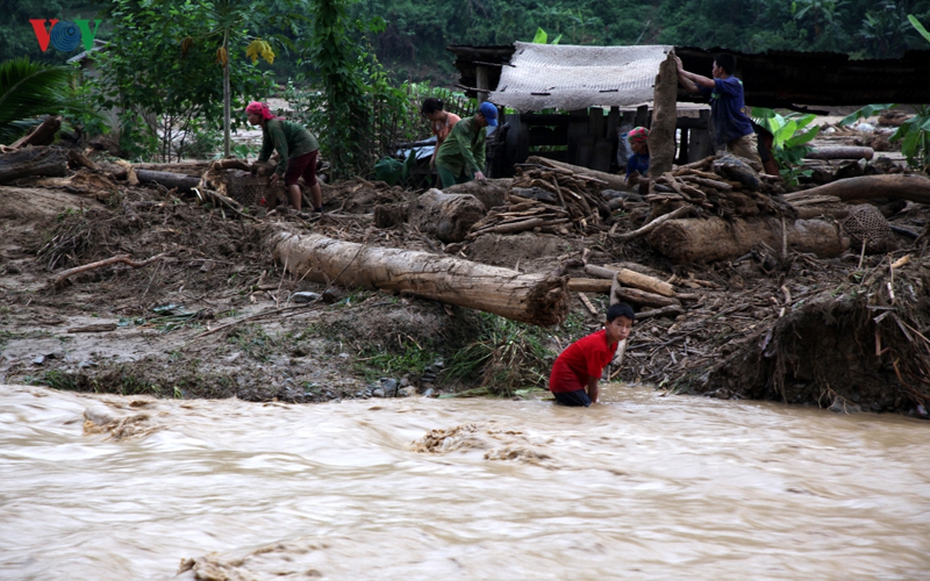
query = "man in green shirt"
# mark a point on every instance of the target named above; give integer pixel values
(297, 148)
(461, 156)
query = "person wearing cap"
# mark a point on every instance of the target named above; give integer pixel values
(297, 149)
(461, 157)
(576, 372)
(638, 164)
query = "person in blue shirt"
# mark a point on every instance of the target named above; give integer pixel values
(638, 164)
(732, 127)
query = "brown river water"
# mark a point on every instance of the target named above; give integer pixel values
(642, 486)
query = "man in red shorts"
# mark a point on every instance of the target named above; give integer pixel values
(578, 369)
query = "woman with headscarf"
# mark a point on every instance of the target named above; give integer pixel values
(297, 148)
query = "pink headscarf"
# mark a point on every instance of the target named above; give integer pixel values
(260, 109)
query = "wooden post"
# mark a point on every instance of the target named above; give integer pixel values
(642, 116)
(577, 129)
(481, 72)
(701, 141)
(664, 119)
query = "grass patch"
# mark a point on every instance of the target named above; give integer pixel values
(509, 357)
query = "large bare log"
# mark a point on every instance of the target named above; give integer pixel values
(168, 179)
(610, 180)
(43, 161)
(538, 299)
(448, 217)
(906, 187)
(717, 239)
(664, 118)
(841, 152)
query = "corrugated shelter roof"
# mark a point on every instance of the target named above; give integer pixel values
(570, 77)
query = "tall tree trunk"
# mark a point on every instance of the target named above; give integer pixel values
(538, 299)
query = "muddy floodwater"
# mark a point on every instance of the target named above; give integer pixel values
(643, 486)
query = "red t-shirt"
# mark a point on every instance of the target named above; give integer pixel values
(584, 358)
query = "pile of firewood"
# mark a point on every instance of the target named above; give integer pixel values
(721, 186)
(546, 199)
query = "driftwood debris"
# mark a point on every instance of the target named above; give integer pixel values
(538, 299)
(490, 192)
(448, 217)
(43, 134)
(123, 258)
(33, 161)
(589, 285)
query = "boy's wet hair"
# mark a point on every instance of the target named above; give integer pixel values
(726, 61)
(431, 105)
(620, 310)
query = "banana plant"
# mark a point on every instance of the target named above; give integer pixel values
(790, 139)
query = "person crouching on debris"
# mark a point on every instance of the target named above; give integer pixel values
(638, 164)
(462, 155)
(576, 372)
(297, 148)
(732, 127)
(440, 122)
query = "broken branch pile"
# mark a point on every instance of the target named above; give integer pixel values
(546, 199)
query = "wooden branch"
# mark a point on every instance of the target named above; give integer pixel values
(231, 163)
(627, 236)
(124, 258)
(641, 297)
(669, 311)
(587, 303)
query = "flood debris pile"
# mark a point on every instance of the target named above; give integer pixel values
(742, 290)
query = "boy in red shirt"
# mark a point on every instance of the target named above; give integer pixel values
(581, 365)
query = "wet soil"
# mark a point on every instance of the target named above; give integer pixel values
(215, 317)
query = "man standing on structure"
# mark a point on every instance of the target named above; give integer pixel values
(462, 155)
(732, 127)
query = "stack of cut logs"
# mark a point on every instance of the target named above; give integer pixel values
(630, 286)
(719, 189)
(548, 199)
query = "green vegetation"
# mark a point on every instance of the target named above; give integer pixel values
(789, 140)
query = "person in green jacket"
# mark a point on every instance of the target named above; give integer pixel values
(297, 148)
(461, 156)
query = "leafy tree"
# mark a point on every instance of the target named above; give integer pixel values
(29, 90)
(164, 81)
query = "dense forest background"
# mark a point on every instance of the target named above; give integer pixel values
(409, 37)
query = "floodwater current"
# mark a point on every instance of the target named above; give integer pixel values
(642, 486)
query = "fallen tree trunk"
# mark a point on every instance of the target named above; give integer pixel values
(713, 239)
(538, 299)
(448, 217)
(906, 187)
(628, 277)
(168, 179)
(644, 298)
(43, 161)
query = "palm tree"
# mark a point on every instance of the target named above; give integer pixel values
(30, 89)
